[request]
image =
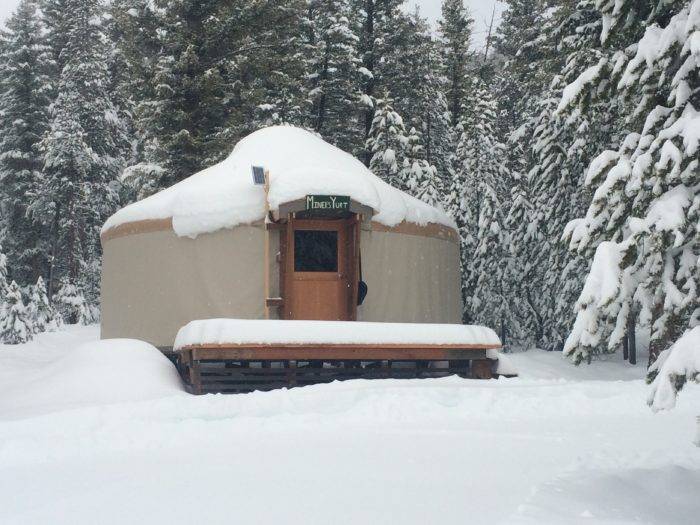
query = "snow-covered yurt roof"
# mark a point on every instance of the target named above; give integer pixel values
(299, 164)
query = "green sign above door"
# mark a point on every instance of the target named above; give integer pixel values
(328, 203)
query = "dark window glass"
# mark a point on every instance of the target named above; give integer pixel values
(315, 251)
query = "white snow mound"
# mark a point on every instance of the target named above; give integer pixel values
(299, 163)
(97, 373)
(271, 331)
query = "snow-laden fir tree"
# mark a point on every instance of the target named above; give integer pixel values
(641, 226)
(485, 188)
(564, 140)
(71, 305)
(42, 314)
(25, 95)
(333, 69)
(455, 29)
(421, 101)
(417, 176)
(219, 71)
(82, 151)
(379, 26)
(387, 142)
(15, 322)
(57, 19)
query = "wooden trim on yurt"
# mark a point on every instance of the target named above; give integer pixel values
(432, 229)
(435, 230)
(136, 227)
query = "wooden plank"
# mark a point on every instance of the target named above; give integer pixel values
(340, 352)
(195, 377)
(266, 250)
(274, 302)
(368, 346)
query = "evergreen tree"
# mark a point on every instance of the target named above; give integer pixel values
(71, 305)
(559, 157)
(419, 96)
(82, 151)
(379, 26)
(455, 29)
(417, 176)
(15, 323)
(387, 143)
(334, 75)
(41, 313)
(641, 226)
(485, 187)
(25, 91)
(220, 71)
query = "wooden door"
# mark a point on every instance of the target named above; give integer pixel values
(320, 276)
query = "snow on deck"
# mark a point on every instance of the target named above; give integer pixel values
(300, 164)
(271, 332)
(560, 444)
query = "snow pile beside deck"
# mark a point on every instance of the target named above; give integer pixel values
(95, 373)
(271, 332)
(300, 164)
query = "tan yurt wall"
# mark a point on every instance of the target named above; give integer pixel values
(155, 282)
(412, 276)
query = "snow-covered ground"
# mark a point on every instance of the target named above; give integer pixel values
(557, 445)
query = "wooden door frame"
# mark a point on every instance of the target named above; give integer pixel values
(352, 250)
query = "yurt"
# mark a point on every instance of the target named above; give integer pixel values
(287, 227)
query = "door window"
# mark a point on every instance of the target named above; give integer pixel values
(315, 251)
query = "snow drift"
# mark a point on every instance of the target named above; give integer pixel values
(95, 373)
(300, 163)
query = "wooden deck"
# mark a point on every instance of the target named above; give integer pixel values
(224, 368)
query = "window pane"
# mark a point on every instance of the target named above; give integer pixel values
(315, 251)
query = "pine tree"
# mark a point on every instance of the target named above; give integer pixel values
(484, 186)
(42, 314)
(71, 305)
(379, 26)
(25, 91)
(334, 74)
(387, 142)
(15, 324)
(218, 72)
(82, 151)
(455, 29)
(558, 158)
(419, 97)
(641, 224)
(417, 176)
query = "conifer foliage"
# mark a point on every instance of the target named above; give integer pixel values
(15, 321)
(642, 222)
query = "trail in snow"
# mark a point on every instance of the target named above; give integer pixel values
(553, 446)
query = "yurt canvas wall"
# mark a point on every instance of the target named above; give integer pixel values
(154, 282)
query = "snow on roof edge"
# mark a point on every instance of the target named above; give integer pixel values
(299, 162)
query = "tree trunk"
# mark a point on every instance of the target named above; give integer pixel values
(503, 334)
(54, 248)
(631, 337)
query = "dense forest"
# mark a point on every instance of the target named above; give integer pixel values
(566, 149)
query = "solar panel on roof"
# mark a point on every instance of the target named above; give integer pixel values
(258, 175)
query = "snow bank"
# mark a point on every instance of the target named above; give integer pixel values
(268, 331)
(680, 362)
(560, 444)
(300, 163)
(95, 373)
